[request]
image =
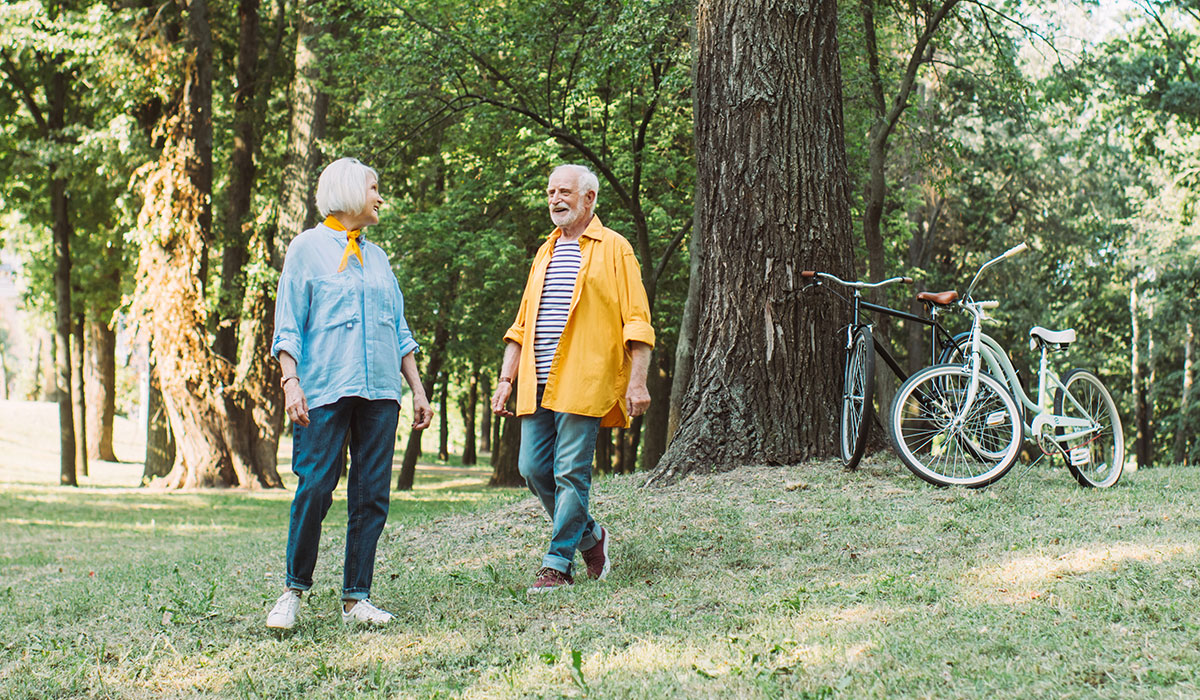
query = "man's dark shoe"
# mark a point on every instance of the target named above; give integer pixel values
(550, 579)
(597, 559)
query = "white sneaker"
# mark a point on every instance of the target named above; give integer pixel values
(364, 612)
(283, 615)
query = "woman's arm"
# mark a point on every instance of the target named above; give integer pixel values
(295, 403)
(422, 411)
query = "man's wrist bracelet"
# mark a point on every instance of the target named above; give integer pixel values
(283, 382)
(506, 379)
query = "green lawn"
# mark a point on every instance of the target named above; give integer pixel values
(796, 582)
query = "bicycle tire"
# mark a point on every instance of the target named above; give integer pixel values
(1100, 457)
(922, 429)
(858, 390)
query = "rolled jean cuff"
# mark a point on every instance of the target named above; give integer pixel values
(590, 539)
(355, 594)
(298, 585)
(559, 564)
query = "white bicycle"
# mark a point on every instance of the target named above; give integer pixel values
(955, 424)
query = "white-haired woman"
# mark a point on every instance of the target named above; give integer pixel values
(344, 347)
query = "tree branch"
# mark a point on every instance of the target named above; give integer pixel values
(662, 264)
(23, 91)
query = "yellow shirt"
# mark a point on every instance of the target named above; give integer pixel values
(590, 371)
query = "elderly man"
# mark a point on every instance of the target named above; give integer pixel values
(577, 356)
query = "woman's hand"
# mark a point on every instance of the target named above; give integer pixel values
(422, 412)
(503, 391)
(295, 403)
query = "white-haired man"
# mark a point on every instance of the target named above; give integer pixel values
(577, 356)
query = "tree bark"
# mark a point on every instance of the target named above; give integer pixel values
(241, 183)
(412, 452)
(1182, 432)
(603, 460)
(78, 400)
(468, 405)
(505, 468)
(685, 349)
(309, 107)
(771, 199)
(1136, 372)
(101, 382)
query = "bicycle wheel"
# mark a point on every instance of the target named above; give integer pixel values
(973, 452)
(1095, 457)
(858, 388)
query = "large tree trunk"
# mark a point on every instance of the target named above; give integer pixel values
(771, 200)
(101, 383)
(468, 405)
(57, 99)
(78, 400)
(207, 409)
(238, 224)
(1179, 454)
(505, 453)
(602, 462)
(309, 107)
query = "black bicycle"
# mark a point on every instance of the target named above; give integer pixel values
(858, 377)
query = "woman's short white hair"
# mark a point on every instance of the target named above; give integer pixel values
(586, 179)
(343, 186)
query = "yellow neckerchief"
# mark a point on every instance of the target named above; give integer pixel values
(351, 244)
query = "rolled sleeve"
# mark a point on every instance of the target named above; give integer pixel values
(635, 306)
(403, 335)
(291, 312)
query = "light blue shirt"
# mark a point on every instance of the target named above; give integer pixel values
(345, 329)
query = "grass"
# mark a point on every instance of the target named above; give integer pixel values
(789, 582)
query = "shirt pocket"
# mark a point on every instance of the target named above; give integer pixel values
(335, 302)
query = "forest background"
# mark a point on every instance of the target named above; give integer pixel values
(156, 158)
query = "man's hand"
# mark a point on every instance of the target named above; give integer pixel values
(503, 391)
(637, 399)
(295, 403)
(422, 412)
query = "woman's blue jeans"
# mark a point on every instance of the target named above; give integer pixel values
(556, 461)
(317, 460)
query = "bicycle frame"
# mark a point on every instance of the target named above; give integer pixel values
(1001, 367)
(937, 343)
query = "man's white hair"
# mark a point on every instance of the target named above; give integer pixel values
(587, 180)
(343, 186)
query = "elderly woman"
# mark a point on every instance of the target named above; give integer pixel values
(343, 344)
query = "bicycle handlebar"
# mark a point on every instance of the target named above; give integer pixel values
(810, 274)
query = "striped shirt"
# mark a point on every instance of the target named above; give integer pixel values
(555, 304)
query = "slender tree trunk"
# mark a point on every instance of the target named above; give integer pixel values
(412, 452)
(685, 348)
(101, 373)
(1136, 370)
(1182, 432)
(79, 401)
(241, 182)
(485, 418)
(57, 98)
(505, 453)
(771, 198)
(659, 412)
(468, 405)
(160, 441)
(444, 418)
(603, 460)
(309, 107)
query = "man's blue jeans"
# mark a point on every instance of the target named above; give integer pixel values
(317, 463)
(556, 461)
